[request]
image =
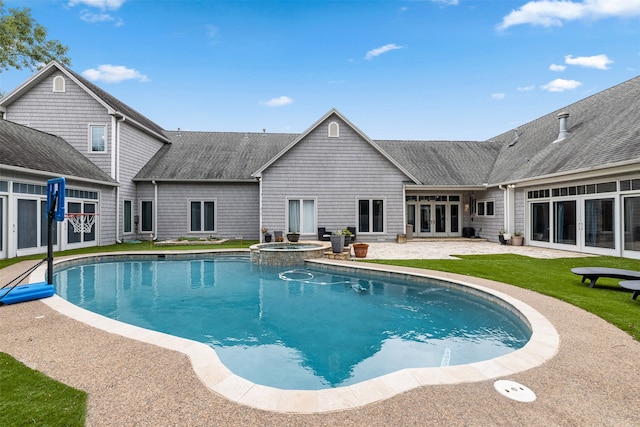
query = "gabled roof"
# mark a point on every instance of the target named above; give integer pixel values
(110, 103)
(213, 156)
(335, 112)
(445, 163)
(25, 149)
(604, 131)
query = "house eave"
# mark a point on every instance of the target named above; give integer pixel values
(192, 180)
(421, 187)
(51, 174)
(628, 166)
(303, 135)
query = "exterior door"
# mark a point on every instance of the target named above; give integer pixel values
(425, 221)
(434, 216)
(435, 219)
(583, 224)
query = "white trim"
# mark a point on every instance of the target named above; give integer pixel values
(91, 126)
(315, 214)
(63, 85)
(384, 216)
(333, 130)
(141, 217)
(202, 218)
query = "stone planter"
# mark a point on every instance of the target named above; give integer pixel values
(360, 250)
(337, 243)
(517, 240)
(293, 238)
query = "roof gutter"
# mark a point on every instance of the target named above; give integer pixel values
(595, 171)
(50, 174)
(234, 181)
(420, 187)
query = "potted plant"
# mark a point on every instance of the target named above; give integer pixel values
(517, 238)
(293, 237)
(267, 235)
(337, 241)
(360, 250)
(347, 237)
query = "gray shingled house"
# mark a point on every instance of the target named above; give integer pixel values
(568, 180)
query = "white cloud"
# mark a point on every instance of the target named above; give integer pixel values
(447, 2)
(380, 50)
(597, 61)
(113, 74)
(556, 67)
(102, 4)
(278, 102)
(560, 85)
(526, 88)
(548, 13)
(92, 18)
(498, 96)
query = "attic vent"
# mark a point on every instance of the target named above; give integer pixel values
(563, 126)
(58, 84)
(516, 137)
(334, 130)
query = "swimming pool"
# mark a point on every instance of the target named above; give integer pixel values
(216, 375)
(300, 328)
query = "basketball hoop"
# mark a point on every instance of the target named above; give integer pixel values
(82, 222)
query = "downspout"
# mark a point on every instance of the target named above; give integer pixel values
(115, 168)
(260, 208)
(509, 207)
(404, 209)
(155, 208)
(505, 202)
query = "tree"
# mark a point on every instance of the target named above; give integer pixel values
(23, 42)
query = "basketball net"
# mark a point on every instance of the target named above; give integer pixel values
(82, 222)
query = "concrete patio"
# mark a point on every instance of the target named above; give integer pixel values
(593, 379)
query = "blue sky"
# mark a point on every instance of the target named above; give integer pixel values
(429, 69)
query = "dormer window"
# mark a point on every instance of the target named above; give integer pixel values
(334, 130)
(58, 84)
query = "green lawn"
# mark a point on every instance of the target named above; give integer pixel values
(551, 277)
(30, 398)
(33, 399)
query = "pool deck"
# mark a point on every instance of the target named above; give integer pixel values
(592, 380)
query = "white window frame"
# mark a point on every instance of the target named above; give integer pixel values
(384, 215)
(124, 217)
(91, 127)
(302, 224)
(215, 215)
(485, 203)
(334, 130)
(59, 84)
(141, 217)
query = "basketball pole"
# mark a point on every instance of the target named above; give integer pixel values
(52, 209)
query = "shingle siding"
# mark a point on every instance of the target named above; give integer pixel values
(236, 206)
(65, 114)
(336, 172)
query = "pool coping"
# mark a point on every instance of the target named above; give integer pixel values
(542, 346)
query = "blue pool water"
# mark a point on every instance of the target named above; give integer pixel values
(297, 328)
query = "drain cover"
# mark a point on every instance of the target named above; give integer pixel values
(515, 391)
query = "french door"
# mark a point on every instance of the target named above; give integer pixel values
(585, 224)
(434, 219)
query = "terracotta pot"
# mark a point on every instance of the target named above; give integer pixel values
(360, 249)
(517, 240)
